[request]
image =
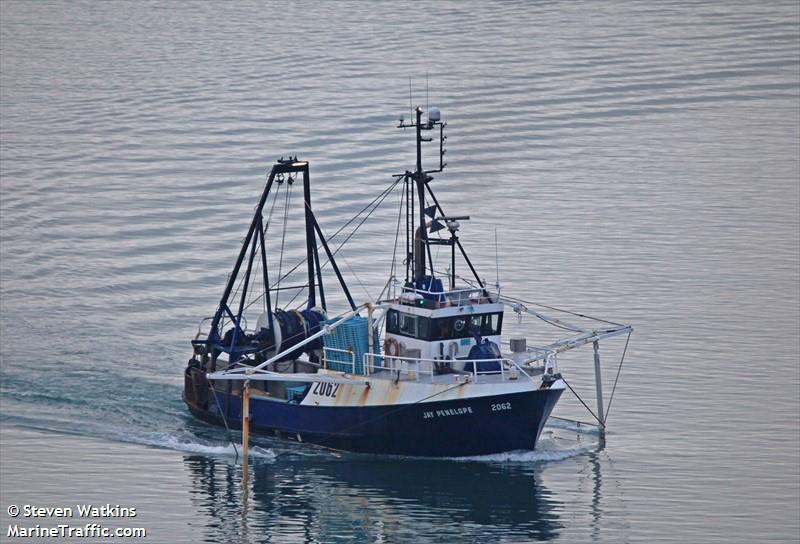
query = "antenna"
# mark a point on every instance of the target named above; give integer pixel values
(410, 101)
(496, 261)
(426, 90)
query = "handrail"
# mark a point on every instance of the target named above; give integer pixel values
(406, 362)
(200, 327)
(452, 291)
(456, 297)
(350, 352)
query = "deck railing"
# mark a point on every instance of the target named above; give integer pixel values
(455, 297)
(328, 361)
(413, 368)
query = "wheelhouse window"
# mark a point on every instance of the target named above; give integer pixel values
(446, 328)
(392, 322)
(490, 324)
(409, 325)
(443, 328)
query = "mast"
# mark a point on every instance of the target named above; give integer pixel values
(311, 242)
(417, 246)
(417, 241)
(419, 178)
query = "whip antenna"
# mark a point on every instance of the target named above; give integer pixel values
(496, 261)
(426, 90)
(410, 101)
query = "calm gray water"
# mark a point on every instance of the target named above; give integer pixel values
(640, 161)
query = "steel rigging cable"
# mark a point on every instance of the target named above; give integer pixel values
(381, 196)
(283, 238)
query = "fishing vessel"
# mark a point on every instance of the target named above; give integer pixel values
(423, 370)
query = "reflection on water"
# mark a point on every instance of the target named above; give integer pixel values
(299, 494)
(322, 498)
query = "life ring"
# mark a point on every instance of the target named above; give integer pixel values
(391, 347)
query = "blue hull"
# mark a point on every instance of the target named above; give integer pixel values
(470, 426)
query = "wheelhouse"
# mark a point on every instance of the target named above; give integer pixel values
(444, 325)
